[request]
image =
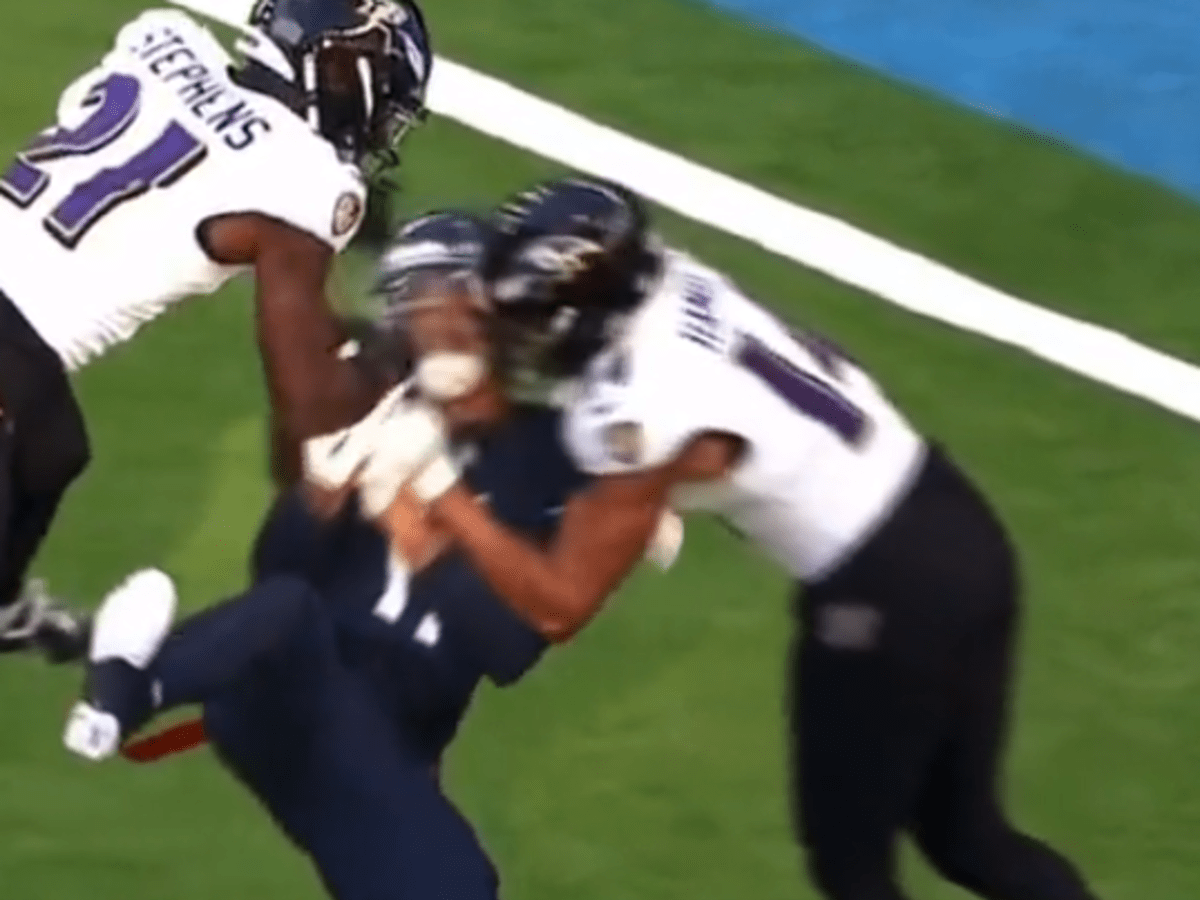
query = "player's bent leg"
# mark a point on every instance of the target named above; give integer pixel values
(872, 695)
(277, 621)
(861, 735)
(278, 627)
(52, 451)
(130, 626)
(423, 847)
(968, 568)
(43, 449)
(960, 825)
(331, 768)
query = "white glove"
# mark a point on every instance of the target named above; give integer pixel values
(331, 460)
(409, 448)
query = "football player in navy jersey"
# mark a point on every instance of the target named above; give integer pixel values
(678, 388)
(332, 686)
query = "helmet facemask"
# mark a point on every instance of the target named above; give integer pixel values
(444, 315)
(356, 72)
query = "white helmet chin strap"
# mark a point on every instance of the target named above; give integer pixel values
(310, 90)
(366, 80)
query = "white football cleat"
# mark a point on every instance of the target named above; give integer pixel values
(92, 733)
(129, 628)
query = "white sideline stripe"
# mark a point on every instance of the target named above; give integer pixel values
(813, 239)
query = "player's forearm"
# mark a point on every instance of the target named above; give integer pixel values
(315, 380)
(338, 396)
(286, 459)
(524, 576)
(317, 392)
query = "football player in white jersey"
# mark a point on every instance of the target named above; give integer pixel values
(681, 391)
(168, 171)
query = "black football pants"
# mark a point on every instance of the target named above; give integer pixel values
(901, 683)
(43, 444)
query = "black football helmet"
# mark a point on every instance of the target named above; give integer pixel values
(356, 70)
(572, 257)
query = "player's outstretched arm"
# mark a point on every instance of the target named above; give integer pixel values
(383, 359)
(604, 533)
(312, 389)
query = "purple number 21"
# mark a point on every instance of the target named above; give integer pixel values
(114, 105)
(817, 398)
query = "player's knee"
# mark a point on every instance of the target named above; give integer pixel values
(473, 877)
(462, 886)
(52, 444)
(957, 860)
(289, 604)
(853, 874)
(454, 867)
(969, 854)
(993, 859)
(75, 450)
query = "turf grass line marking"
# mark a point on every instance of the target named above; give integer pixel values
(813, 239)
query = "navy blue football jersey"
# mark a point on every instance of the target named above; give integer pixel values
(425, 650)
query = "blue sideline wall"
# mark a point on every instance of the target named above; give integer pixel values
(1119, 79)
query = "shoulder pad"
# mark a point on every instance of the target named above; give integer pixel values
(312, 190)
(629, 415)
(640, 404)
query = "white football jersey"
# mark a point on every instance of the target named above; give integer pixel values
(99, 214)
(827, 455)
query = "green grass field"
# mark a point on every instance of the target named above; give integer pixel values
(645, 761)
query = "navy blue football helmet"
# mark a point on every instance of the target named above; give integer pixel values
(429, 251)
(356, 70)
(447, 244)
(571, 258)
(433, 265)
